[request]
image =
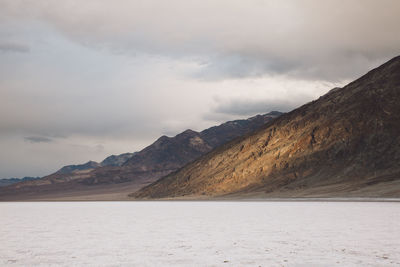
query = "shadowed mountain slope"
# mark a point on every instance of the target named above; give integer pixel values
(343, 144)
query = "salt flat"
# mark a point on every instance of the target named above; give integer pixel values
(200, 233)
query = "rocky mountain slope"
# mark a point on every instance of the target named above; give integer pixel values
(164, 156)
(346, 143)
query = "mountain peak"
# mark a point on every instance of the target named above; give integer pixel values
(79, 167)
(116, 160)
(188, 132)
(273, 113)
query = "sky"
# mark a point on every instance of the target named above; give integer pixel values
(81, 80)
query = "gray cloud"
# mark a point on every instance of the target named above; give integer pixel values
(305, 39)
(241, 66)
(38, 139)
(245, 107)
(14, 47)
(326, 68)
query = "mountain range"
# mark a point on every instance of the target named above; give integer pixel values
(118, 174)
(346, 143)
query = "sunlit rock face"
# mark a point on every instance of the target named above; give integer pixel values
(345, 143)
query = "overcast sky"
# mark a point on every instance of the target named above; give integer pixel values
(80, 80)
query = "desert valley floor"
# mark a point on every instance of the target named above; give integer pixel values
(185, 233)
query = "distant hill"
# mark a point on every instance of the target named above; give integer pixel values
(113, 160)
(346, 143)
(10, 181)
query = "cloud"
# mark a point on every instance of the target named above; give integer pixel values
(248, 107)
(14, 47)
(234, 108)
(262, 95)
(38, 139)
(305, 39)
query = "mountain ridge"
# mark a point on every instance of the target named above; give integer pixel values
(160, 158)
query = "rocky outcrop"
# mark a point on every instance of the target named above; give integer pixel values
(116, 160)
(348, 140)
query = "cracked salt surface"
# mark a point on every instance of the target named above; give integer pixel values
(200, 234)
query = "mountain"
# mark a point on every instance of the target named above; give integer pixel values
(113, 160)
(81, 167)
(116, 160)
(164, 156)
(10, 181)
(346, 143)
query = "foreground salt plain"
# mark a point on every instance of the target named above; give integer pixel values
(200, 234)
